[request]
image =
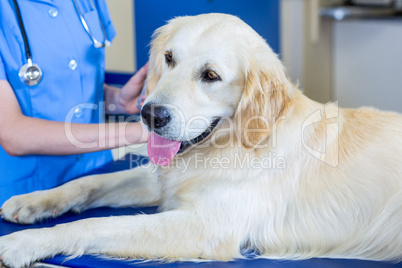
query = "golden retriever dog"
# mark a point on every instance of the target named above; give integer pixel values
(243, 161)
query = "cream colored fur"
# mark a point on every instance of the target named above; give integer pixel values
(334, 191)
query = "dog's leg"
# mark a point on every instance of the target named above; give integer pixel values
(171, 235)
(135, 187)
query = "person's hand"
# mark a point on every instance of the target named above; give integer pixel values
(130, 92)
(136, 133)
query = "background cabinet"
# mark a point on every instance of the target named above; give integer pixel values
(367, 57)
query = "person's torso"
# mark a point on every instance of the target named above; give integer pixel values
(71, 89)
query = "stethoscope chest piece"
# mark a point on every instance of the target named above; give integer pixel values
(30, 74)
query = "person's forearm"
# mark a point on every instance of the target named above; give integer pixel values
(23, 135)
(36, 136)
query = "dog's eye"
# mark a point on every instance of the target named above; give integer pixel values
(210, 76)
(168, 57)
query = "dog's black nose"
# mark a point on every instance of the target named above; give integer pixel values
(155, 116)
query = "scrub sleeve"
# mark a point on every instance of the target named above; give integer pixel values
(2, 71)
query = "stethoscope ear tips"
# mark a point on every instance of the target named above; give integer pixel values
(30, 74)
(97, 44)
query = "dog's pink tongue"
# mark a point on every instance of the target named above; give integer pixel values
(161, 151)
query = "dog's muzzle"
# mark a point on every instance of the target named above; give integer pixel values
(155, 116)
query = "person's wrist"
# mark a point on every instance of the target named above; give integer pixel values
(115, 102)
(127, 106)
(121, 103)
(135, 133)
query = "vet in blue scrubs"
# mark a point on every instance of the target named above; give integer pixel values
(73, 77)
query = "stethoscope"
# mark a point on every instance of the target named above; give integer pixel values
(30, 73)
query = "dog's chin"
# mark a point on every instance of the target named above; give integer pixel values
(186, 144)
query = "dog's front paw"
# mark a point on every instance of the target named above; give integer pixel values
(29, 208)
(18, 250)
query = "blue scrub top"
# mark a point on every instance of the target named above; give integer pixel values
(71, 88)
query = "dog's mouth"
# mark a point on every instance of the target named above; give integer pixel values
(185, 144)
(161, 151)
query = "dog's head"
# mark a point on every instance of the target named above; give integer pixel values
(207, 68)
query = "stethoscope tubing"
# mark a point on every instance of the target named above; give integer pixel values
(97, 44)
(23, 32)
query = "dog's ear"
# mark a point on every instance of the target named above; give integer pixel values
(266, 99)
(156, 55)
